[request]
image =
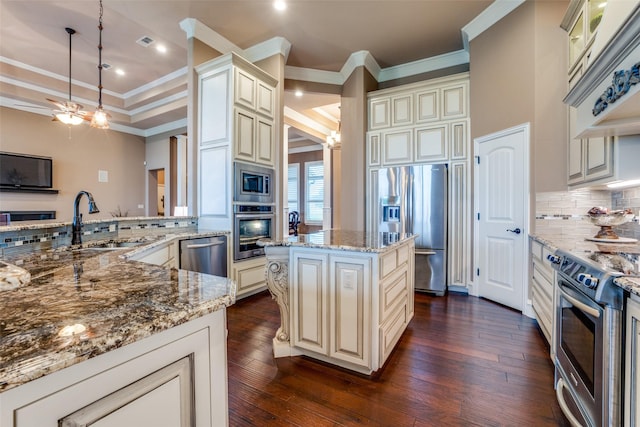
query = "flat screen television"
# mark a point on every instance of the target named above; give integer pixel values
(25, 171)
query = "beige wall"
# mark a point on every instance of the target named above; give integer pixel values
(78, 154)
(518, 75)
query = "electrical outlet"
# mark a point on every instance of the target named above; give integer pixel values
(140, 206)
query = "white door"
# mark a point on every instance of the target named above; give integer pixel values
(502, 214)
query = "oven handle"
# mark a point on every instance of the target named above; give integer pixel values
(563, 405)
(582, 306)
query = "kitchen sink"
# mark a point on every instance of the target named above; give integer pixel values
(110, 246)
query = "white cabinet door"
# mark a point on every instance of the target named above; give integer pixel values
(402, 110)
(459, 140)
(245, 89)
(244, 147)
(458, 230)
(350, 309)
(454, 102)
(265, 149)
(632, 364)
(431, 143)
(310, 308)
(373, 149)
(249, 276)
(598, 158)
(214, 111)
(164, 398)
(427, 106)
(379, 114)
(265, 99)
(397, 147)
(576, 161)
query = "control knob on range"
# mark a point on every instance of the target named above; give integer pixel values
(554, 259)
(588, 280)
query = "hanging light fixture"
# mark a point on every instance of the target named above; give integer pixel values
(68, 111)
(100, 119)
(334, 137)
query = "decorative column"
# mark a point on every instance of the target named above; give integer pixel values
(277, 277)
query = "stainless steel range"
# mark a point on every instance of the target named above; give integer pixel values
(589, 331)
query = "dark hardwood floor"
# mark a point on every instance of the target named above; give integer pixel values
(463, 361)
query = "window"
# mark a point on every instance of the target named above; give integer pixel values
(314, 204)
(293, 189)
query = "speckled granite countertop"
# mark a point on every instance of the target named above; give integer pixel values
(628, 283)
(81, 303)
(357, 241)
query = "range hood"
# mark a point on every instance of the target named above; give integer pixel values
(607, 96)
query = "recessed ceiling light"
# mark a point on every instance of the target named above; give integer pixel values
(161, 48)
(120, 72)
(298, 93)
(279, 5)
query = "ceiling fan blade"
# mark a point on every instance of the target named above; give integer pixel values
(58, 104)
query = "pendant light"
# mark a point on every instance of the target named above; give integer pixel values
(69, 112)
(100, 119)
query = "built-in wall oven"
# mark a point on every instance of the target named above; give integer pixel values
(253, 183)
(251, 223)
(589, 332)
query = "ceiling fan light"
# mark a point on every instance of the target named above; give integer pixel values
(100, 119)
(69, 119)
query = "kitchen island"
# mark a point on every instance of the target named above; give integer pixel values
(96, 336)
(345, 297)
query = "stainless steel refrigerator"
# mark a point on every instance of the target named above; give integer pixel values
(413, 199)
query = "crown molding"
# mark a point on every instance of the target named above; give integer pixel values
(198, 30)
(426, 65)
(269, 48)
(487, 18)
(179, 73)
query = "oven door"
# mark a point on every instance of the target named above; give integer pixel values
(249, 228)
(579, 352)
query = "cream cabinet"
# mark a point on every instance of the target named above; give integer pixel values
(349, 308)
(581, 23)
(435, 131)
(249, 276)
(397, 147)
(332, 305)
(632, 363)
(164, 255)
(459, 231)
(176, 377)
(542, 281)
(254, 138)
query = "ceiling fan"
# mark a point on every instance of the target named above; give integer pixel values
(69, 112)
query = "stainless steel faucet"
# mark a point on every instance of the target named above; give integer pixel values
(76, 238)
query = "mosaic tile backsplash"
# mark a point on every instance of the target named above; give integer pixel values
(564, 213)
(21, 239)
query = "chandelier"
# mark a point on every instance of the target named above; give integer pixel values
(100, 119)
(334, 137)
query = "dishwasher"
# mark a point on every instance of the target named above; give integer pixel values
(205, 255)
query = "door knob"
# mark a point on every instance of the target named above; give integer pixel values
(516, 230)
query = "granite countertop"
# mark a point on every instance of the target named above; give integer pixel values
(343, 240)
(628, 283)
(81, 303)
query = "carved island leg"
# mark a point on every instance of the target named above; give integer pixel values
(277, 277)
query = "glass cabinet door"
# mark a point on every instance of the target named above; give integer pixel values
(595, 8)
(576, 40)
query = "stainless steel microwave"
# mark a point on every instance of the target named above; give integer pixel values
(252, 183)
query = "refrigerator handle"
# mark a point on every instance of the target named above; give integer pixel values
(419, 252)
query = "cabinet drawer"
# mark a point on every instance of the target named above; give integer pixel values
(249, 277)
(403, 254)
(542, 281)
(543, 308)
(388, 263)
(536, 250)
(393, 291)
(391, 331)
